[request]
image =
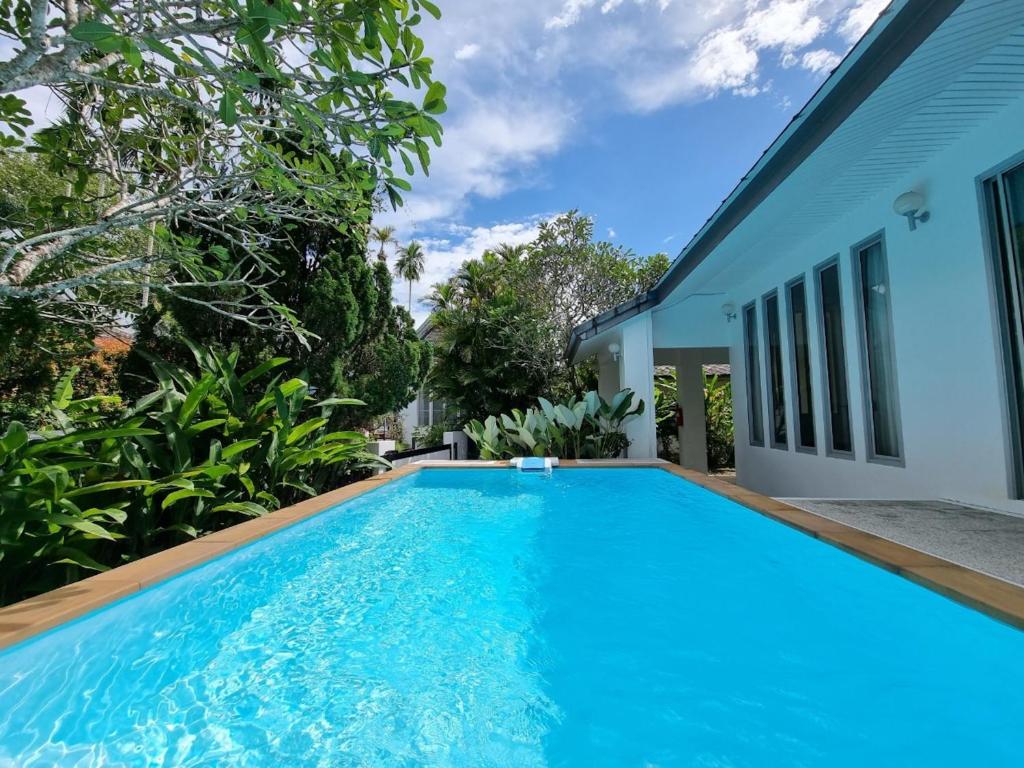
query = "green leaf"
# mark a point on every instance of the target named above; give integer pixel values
(92, 31)
(72, 556)
(110, 485)
(227, 109)
(185, 493)
(430, 8)
(164, 50)
(236, 448)
(250, 508)
(434, 102)
(261, 370)
(300, 431)
(85, 526)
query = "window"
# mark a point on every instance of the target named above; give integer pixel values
(834, 350)
(776, 386)
(1006, 204)
(877, 349)
(753, 360)
(801, 357)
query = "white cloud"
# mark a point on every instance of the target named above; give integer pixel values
(487, 152)
(821, 61)
(728, 54)
(445, 253)
(554, 68)
(860, 17)
(467, 51)
(611, 232)
(571, 12)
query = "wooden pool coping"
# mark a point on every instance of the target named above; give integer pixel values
(999, 599)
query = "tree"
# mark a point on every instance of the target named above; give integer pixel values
(363, 345)
(410, 265)
(491, 354)
(189, 113)
(504, 320)
(385, 236)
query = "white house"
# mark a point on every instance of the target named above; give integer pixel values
(423, 411)
(865, 279)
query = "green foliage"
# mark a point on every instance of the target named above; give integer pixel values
(203, 450)
(212, 115)
(362, 345)
(504, 320)
(585, 428)
(718, 415)
(666, 398)
(718, 411)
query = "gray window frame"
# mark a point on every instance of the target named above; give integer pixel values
(826, 385)
(794, 373)
(769, 389)
(869, 427)
(1011, 407)
(750, 384)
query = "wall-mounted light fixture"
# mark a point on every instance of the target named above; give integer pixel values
(729, 310)
(614, 350)
(911, 205)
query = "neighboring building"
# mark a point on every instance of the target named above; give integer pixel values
(422, 412)
(864, 280)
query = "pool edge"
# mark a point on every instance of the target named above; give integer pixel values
(999, 599)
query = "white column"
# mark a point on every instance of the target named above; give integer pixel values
(693, 442)
(636, 371)
(607, 376)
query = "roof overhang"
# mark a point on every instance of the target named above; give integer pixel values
(897, 33)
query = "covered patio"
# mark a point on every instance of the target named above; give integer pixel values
(630, 341)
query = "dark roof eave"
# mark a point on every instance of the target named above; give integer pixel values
(617, 314)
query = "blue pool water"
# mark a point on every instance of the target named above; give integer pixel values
(486, 618)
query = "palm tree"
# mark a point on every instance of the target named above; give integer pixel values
(385, 236)
(508, 252)
(410, 265)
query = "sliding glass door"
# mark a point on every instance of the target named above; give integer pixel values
(1006, 206)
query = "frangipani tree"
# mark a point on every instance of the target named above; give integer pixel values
(206, 116)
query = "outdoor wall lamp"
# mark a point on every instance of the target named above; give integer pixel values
(729, 310)
(911, 205)
(614, 350)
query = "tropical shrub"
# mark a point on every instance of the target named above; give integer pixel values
(718, 410)
(207, 448)
(587, 428)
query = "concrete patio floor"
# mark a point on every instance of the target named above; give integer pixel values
(985, 541)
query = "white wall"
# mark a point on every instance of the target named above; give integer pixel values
(947, 347)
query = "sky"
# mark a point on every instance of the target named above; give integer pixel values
(642, 114)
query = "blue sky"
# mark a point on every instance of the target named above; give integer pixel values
(641, 113)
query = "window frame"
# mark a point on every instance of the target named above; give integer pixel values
(869, 426)
(1013, 433)
(826, 385)
(768, 383)
(750, 383)
(794, 373)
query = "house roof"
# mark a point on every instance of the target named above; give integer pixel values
(897, 33)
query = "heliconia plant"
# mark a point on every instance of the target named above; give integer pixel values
(105, 484)
(586, 428)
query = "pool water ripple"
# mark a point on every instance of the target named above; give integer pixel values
(483, 618)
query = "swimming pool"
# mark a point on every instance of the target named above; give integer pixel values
(598, 617)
